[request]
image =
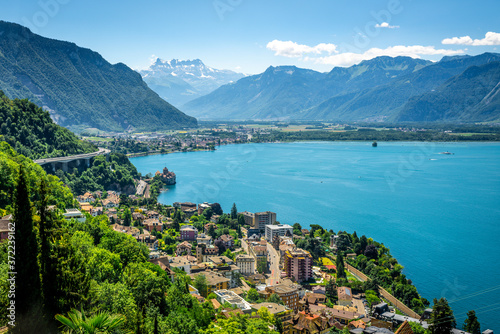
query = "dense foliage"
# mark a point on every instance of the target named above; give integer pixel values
(30, 130)
(84, 266)
(113, 173)
(80, 86)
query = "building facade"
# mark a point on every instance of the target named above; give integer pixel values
(298, 264)
(246, 263)
(278, 230)
(261, 219)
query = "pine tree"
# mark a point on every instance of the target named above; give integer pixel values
(442, 318)
(47, 261)
(340, 266)
(234, 212)
(471, 324)
(27, 279)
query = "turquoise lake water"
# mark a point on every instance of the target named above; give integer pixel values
(439, 214)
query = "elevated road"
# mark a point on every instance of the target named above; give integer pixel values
(75, 160)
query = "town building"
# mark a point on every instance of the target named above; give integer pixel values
(258, 250)
(298, 264)
(261, 219)
(183, 247)
(164, 264)
(248, 217)
(305, 322)
(278, 230)
(204, 239)
(344, 296)
(246, 264)
(279, 311)
(228, 241)
(74, 214)
(96, 211)
(215, 281)
(182, 262)
(233, 299)
(204, 251)
(289, 294)
(189, 232)
(153, 225)
(167, 177)
(4, 227)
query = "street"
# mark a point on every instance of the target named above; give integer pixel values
(274, 261)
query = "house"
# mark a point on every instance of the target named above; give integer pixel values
(87, 198)
(203, 252)
(74, 214)
(153, 215)
(86, 207)
(228, 240)
(220, 260)
(164, 264)
(279, 311)
(289, 294)
(215, 219)
(207, 227)
(305, 322)
(232, 298)
(153, 225)
(319, 289)
(138, 217)
(345, 296)
(204, 239)
(96, 211)
(109, 203)
(215, 281)
(183, 248)
(246, 264)
(312, 298)
(189, 232)
(4, 227)
(184, 263)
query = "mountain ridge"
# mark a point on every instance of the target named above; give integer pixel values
(180, 81)
(78, 86)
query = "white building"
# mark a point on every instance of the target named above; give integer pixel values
(233, 299)
(246, 263)
(74, 214)
(281, 230)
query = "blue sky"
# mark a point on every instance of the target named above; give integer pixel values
(250, 35)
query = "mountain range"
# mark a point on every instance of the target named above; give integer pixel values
(180, 81)
(380, 89)
(78, 86)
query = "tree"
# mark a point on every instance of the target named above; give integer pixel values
(252, 295)
(442, 319)
(217, 208)
(279, 325)
(471, 324)
(212, 231)
(102, 322)
(261, 266)
(331, 290)
(48, 263)
(274, 298)
(234, 212)
(371, 252)
(339, 262)
(201, 284)
(26, 265)
(127, 217)
(297, 229)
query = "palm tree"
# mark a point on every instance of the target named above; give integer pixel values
(101, 323)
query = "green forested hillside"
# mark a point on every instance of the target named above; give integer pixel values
(31, 131)
(83, 266)
(78, 86)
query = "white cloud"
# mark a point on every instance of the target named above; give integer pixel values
(490, 38)
(385, 25)
(414, 51)
(294, 50)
